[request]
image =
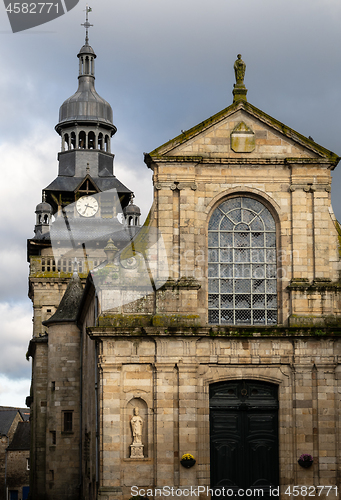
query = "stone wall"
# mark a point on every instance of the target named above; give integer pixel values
(4, 442)
(18, 474)
(168, 378)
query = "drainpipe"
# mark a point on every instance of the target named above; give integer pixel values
(96, 396)
(96, 409)
(80, 416)
(6, 468)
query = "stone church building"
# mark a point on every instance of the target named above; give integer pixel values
(212, 330)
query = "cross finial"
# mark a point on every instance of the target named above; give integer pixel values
(87, 24)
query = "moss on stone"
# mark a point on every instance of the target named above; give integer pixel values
(125, 320)
(338, 229)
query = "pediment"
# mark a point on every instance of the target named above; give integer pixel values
(243, 131)
(87, 185)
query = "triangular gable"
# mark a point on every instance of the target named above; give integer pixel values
(242, 129)
(87, 185)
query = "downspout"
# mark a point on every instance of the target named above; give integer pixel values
(81, 416)
(6, 468)
(96, 397)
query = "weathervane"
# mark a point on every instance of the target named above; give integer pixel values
(87, 24)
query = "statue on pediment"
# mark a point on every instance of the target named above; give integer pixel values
(239, 70)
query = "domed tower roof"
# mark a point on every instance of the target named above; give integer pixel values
(86, 105)
(43, 207)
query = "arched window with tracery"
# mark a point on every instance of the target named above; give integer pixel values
(242, 284)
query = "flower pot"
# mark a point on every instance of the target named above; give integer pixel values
(188, 463)
(305, 463)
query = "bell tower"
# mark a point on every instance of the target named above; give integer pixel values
(86, 196)
(86, 127)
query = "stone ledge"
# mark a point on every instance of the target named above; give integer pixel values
(299, 330)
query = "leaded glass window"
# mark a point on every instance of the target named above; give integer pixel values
(242, 288)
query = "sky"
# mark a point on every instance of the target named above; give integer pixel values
(164, 66)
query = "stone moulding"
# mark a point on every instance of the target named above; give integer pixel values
(310, 187)
(318, 285)
(107, 330)
(184, 282)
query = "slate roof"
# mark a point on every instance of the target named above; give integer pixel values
(6, 419)
(68, 307)
(21, 438)
(8, 414)
(63, 183)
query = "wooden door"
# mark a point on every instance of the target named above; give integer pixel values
(244, 436)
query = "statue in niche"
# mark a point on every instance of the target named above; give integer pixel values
(239, 70)
(136, 426)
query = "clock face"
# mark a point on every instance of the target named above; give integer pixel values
(87, 206)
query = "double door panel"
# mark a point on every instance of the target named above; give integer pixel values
(244, 447)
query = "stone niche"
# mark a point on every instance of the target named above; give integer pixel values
(242, 139)
(143, 413)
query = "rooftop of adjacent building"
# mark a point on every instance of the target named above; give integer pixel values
(7, 416)
(21, 439)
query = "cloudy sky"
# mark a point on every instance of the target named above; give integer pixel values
(164, 66)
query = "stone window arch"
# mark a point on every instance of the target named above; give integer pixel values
(107, 144)
(242, 272)
(91, 140)
(66, 143)
(82, 140)
(100, 141)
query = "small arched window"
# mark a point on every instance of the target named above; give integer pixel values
(81, 140)
(100, 141)
(66, 143)
(242, 284)
(91, 140)
(106, 144)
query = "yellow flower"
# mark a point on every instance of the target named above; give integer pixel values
(187, 456)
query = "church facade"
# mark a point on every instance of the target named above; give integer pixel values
(213, 330)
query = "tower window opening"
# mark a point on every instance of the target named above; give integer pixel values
(91, 140)
(53, 437)
(86, 68)
(46, 219)
(107, 143)
(100, 141)
(73, 140)
(66, 143)
(67, 427)
(82, 139)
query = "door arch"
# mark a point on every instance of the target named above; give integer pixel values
(244, 436)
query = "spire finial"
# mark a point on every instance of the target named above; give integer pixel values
(87, 24)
